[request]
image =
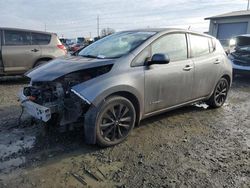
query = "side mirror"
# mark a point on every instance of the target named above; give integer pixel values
(159, 59)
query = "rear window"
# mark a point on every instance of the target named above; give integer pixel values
(199, 45)
(17, 38)
(40, 39)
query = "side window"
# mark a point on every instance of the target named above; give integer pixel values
(199, 45)
(175, 45)
(16, 38)
(40, 39)
(141, 58)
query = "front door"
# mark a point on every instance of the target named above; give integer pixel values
(169, 84)
(18, 54)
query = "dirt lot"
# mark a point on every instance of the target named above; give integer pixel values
(191, 147)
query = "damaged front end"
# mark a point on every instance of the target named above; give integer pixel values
(55, 101)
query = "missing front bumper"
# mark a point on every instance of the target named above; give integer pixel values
(37, 111)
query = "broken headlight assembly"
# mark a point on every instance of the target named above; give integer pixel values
(65, 106)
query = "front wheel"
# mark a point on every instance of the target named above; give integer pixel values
(114, 119)
(219, 95)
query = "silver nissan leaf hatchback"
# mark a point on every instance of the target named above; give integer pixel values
(123, 78)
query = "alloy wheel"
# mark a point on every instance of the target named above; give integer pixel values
(116, 122)
(221, 92)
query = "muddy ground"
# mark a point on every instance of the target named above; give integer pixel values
(194, 146)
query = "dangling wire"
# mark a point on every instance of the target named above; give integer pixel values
(20, 116)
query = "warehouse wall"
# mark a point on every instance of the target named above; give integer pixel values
(214, 23)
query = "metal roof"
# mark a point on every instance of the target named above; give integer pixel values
(231, 14)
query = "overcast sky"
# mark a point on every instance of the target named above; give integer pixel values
(72, 18)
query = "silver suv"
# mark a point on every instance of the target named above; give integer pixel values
(21, 50)
(121, 79)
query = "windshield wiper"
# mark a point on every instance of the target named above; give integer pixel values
(90, 56)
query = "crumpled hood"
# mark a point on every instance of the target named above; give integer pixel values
(65, 65)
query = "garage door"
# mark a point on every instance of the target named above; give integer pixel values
(229, 30)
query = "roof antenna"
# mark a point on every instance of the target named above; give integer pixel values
(189, 27)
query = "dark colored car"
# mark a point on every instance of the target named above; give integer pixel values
(76, 47)
(123, 78)
(240, 55)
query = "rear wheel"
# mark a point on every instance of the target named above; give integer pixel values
(40, 63)
(115, 118)
(220, 94)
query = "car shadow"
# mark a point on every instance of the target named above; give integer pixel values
(12, 80)
(180, 111)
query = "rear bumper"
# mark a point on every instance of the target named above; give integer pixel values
(37, 111)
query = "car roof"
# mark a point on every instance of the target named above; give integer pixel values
(165, 30)
(27, 30)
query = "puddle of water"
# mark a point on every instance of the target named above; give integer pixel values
(6, 166)
(11, 149)
(16, 146)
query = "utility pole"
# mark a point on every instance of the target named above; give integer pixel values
(45, 27)
(248, 4)
(98, 26)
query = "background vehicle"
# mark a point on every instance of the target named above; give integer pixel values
(80, 40)
(128, 76)
(21, 50)
(76, 47)
(240, 54)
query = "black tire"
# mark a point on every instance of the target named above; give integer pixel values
(114, 119)
(40, 63)
(219, 95)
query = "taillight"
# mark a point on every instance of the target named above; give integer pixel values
(62, 47)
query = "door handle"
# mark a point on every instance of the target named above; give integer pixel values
(217, 61)
(35, 50)
(187, 68)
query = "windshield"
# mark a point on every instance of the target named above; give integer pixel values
(116, 45)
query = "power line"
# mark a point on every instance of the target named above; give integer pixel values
(98, 34)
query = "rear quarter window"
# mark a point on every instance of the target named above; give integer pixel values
(199, 45)
(16, 38)
(40, 38)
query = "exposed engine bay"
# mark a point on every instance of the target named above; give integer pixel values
(56, 99)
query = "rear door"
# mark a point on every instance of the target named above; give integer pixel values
(17, 52)
(43, 40)
(206, 62)
(169, 84)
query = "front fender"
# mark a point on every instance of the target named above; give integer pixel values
(94, 91)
